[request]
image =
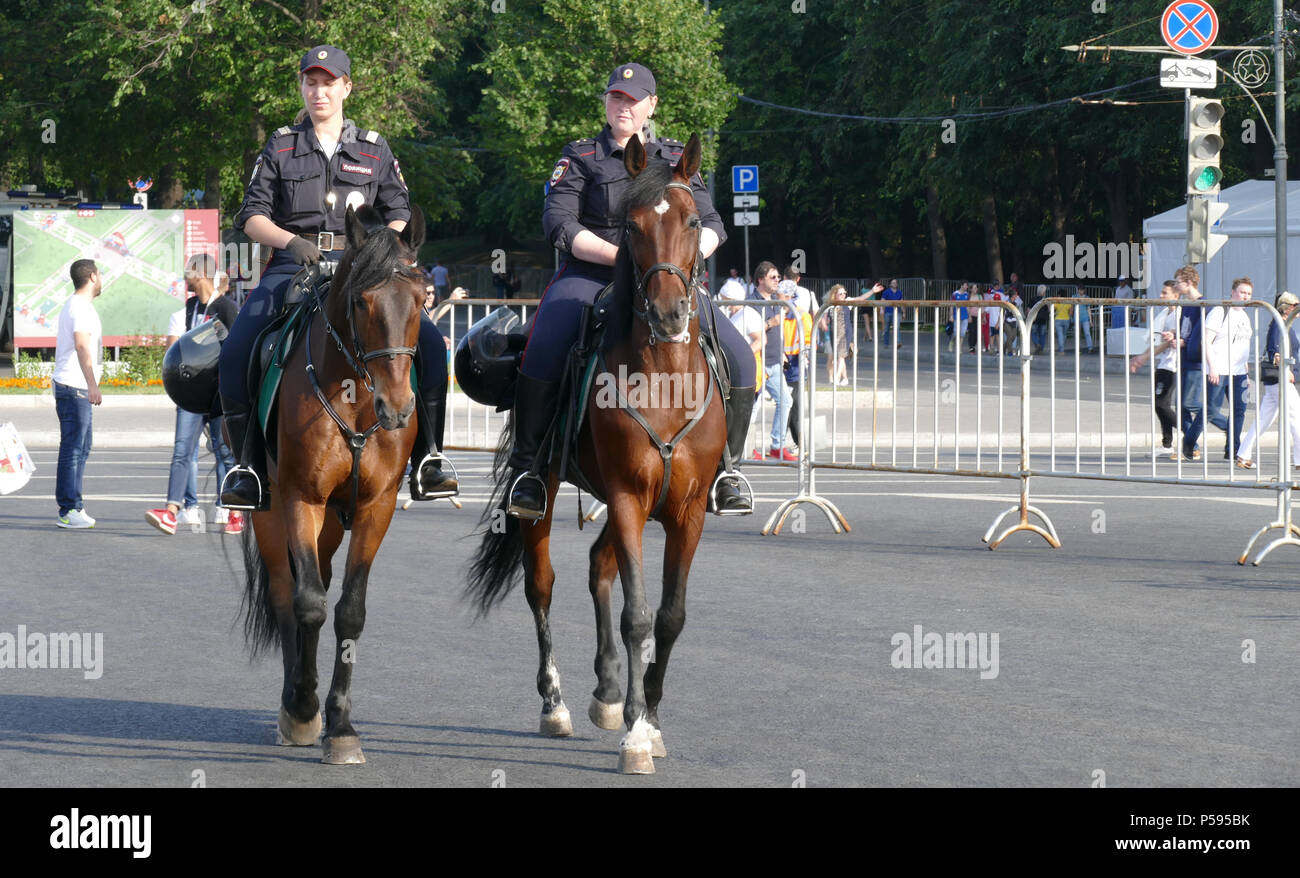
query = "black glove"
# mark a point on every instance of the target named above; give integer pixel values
(304, 252)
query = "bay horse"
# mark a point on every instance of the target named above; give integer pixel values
(349, 377)
(638, 475)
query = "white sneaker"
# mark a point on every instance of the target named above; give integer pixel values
(76, 520)
(191, 516)
(222, 516)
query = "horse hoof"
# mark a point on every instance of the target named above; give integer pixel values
(636, 760)
(291, 733)
(657, 744)
(344, 750)
(605, 716)
(557, 723)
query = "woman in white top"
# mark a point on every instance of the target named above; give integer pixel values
(1164, 347)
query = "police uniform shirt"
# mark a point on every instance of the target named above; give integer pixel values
(292, 178)
(587, 185)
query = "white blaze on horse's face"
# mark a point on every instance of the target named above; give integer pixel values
(662, 207)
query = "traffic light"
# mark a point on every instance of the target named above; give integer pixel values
(1202, 241)
(1204, 145)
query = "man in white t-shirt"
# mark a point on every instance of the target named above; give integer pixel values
(733, 287)
(78, 365)
(1227, 356)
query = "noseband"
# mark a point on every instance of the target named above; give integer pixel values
(357, 356)
(692, 285)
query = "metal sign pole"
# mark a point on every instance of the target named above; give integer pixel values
(1279, 149)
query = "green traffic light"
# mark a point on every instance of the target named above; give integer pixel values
(1207, 179)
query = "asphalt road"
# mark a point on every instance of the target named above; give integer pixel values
(1121, 652)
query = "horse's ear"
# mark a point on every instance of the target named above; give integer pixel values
(634, 156)
(356, 229)
(413, 235)
(690, 160)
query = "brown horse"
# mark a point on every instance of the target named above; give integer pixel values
(639, 474)
(335, 462)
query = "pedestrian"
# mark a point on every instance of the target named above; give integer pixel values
(78, 366)
(441, 279)
(296, 202)
(993, 320)
(1190, 360)
(1272, 381)
(1228, 335)
(1119, 313)
(206, 304)
(1041, 328)
(1164, 350)
(774, 385)
(959, 316)
(892, 314)
(1085, 321)
(977, 328)
(584, 219)
(734, 286)
(1010, 323)
(839, 322)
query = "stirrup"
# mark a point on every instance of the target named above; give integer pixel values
(519, 511)
(713, 493)
(241, 468)
(439, 458)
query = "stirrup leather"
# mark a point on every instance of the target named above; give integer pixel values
(520, 512)
(441, 459)
(713, 493)
(234, 470)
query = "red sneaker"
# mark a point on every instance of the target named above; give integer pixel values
(758, 455)
(163, 519)
(782, 454)
(235, 523)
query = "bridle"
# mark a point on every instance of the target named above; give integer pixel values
(357, 357)
(692, 285)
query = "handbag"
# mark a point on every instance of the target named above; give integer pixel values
(16, 465)
(1269, 372)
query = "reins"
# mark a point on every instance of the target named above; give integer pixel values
(356, 358)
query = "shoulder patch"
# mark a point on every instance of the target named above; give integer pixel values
(561, 167)
(283, 130)
(371, 137)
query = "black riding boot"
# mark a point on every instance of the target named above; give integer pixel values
(535, 403)
(428, 481)
(245, 486)
(731, 498)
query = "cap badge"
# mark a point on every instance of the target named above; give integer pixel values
(627, 72)
(322, 54)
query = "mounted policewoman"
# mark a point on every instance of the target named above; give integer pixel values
(584, 219)
(304, 181)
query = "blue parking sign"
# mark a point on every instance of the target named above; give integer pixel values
(744, 178)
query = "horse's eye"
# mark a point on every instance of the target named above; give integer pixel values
(694, 222)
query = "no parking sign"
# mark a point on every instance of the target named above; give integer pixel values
(1189, 26)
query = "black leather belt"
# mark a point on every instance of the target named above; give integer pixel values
(328, 241)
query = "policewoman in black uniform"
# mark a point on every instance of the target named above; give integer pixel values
(297, 198)
(583, 219)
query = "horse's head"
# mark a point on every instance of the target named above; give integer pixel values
(382, 288)
(663, 239)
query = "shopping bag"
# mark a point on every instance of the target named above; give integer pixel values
(16, 465)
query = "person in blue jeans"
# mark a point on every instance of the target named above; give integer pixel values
(1187, 282)
(78, 366)
(892, 314)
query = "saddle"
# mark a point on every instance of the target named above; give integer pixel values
(560, 443)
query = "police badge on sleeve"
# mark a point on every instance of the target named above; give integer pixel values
(561, 167)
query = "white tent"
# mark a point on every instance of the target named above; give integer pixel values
(1249, 224)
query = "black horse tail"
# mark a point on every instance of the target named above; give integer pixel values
(497, 564)
(261, 630)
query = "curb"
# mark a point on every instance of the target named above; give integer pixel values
(112, 400)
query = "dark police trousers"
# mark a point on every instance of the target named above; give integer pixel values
(264, 303)
(556, 324)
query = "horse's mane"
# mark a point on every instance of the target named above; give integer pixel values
(372, 264)
(646, 190)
